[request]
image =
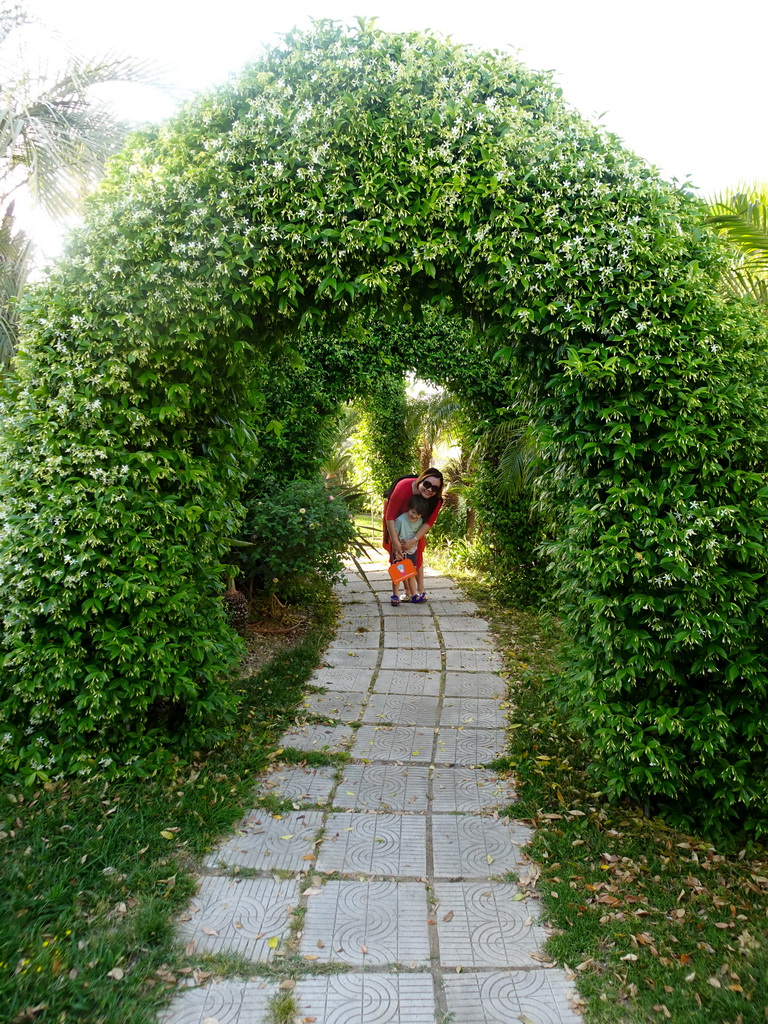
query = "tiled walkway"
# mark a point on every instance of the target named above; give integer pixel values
(401, 869)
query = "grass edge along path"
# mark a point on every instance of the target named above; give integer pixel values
(92, 874)
(655, 924)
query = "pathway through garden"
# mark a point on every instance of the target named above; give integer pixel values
(387, 893)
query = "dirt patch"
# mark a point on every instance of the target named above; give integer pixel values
(267, 637)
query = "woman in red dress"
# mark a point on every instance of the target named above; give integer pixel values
(430, 486)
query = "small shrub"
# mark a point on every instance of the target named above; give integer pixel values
(296, 527)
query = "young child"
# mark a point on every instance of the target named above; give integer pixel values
(406, 527)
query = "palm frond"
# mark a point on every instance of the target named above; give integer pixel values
(15, 248)
(741, 217)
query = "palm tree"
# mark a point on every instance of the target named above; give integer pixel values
(741, 217)
(55, 137)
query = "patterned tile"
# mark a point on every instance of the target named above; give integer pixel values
(474, 640)
(479, 926)
(477, 712)
(368, 999)
(394, 743)
(374, 844)
(416, 684)
(296, 783)
(339, 704)
(454, 606)
(468, 746)
(500, 997)
(419, 658)
(383, 787)
(271, 845)
(312, 736)
(400, 709)
(406, 611)
(471, 790)
(475, 684)
(226, 1002)
(347, 678)
(469, 846)
(473, 661)
(411, 639)
(240, 915)
(462, 624)
(340, 656)
(358, 639)
(386, 919)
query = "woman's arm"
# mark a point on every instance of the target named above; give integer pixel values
(397, 547)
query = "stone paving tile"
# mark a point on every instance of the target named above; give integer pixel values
(347, 678)
(486, 929)
(474, 711)
(360, 615)
(475, 640)
(367, 999)
(468, 746)
(295, 783)
(341, 704)
(388, 919)
(374, 844)
(409, 619)
(414, 683)
(270, 845)
(226, 1002)
(469, 790)
(468, 846)
(313, 736)
(454, 606)
(357, 639)
(474, 684)
(394, 743)
(400, 709)
(346, 657)
(244, 913)
(352, 598)
(411, 638)
(457, 623)
(406, 611)
(473, 661)
(400, 659)
(383, 787)
(500, 997)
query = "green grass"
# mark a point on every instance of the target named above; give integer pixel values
(656, 924)
(92, 874)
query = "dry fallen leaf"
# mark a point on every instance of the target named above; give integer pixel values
(448, 916)
(190, 947)
(209, 931)
(118, 973)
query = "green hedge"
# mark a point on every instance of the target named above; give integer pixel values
(352, 171)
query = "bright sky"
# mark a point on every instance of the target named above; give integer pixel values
(682, 84)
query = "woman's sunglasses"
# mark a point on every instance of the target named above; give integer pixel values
(428, 486)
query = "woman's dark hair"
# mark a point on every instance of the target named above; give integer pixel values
(420, 505)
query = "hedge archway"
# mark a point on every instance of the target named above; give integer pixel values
(350, 169)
